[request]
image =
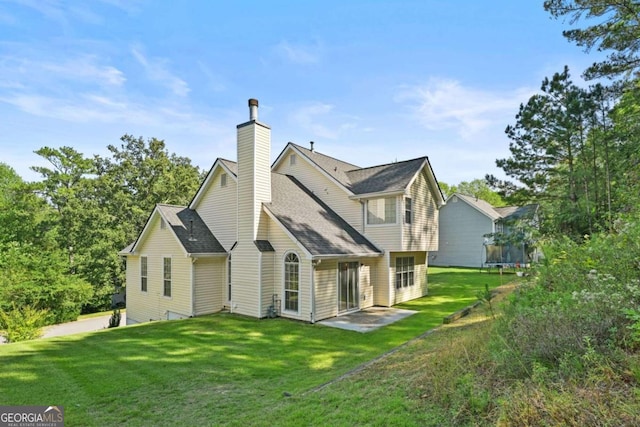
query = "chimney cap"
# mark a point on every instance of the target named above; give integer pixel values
(253, 109)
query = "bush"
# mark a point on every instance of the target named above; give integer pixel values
(41, 280)
(580, 298)
(22, 324)
(114, 320)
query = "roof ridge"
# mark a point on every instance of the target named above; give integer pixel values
(392, 163)
(170, 205)
(324, 155)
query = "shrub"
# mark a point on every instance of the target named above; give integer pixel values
(114, 320)
(581, 297)
(21, 324)
(40, 280)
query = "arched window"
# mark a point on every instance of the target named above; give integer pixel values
(291, 281)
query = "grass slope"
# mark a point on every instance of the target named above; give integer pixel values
(223, 369)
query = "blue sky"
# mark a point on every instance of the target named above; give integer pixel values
(370, 82)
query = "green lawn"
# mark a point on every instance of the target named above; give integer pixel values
(216, 370)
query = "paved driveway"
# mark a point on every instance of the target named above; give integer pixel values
(84, 325)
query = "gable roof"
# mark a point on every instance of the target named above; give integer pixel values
(230, 167)
(480, 205)
(389, 178)
(497, 213)
(320, 230)
(336, 169)
(517, 212)
(392, 177)
(187, 227)
(191, 231)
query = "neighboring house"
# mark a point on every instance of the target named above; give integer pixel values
(309, 237)
(465, 224)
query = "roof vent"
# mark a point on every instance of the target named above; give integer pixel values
(253, 109)
(191, 238)
(311, 143)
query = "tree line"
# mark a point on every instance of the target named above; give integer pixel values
(61, 235)
(575, 150)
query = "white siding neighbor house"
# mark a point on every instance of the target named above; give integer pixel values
(308, 237)
(467, 227)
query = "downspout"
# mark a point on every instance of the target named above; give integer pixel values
(313, 292)
(259, 285)
(193, 287)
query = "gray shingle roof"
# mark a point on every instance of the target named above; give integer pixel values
(376, 179)
(318, 228)
(505, 212)
(384, 178)
(231, 165)
(517, 212)
(264, 246)
(479, 204)
(192, 232)
(332, 166)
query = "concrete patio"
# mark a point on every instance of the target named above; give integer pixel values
(367, 320)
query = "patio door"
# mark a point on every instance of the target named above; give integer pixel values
(348, 286)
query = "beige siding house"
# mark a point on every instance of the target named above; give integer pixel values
(308, 237)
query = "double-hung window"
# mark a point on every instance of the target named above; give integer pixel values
(408, 210)
(167, 276)
(291, 282)
(404, 272)
(381, 211)
(143, 274)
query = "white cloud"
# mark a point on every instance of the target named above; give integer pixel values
(446, 104)
(47, 74)
(308, 117)
(157, 70)
(298, 54)
(214, 81)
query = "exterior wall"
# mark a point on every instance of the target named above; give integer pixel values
(386, 236)
(326, 289)
(328, 191)
(462, 230)
(209, 285)
(153, 305)
(283, 244)
(365, 285)
(382, 292)
(254, 188)
(218, 208)
(422, 233)
(268, 288)
(254, 177)
(245, 275)
(420, 286)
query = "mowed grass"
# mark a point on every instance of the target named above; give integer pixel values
(221, 369)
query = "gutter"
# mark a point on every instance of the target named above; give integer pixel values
(377, 194)
(207, 255)
(349, 256)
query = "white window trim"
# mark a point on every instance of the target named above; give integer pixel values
(284, 284)
(163, 279)
(147, 275)
(385, 224)
(413, 270)
(404, 216)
